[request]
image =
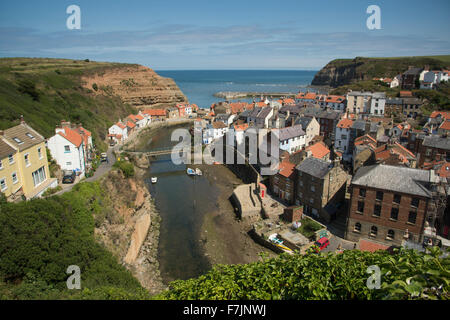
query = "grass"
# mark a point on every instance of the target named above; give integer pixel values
(309, 227)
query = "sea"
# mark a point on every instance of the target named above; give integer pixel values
(199, 86)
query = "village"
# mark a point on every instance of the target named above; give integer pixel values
(355, 170)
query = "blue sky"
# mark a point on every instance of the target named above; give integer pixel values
(230, 34)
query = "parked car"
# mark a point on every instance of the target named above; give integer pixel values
(68, 176)
(322, 243)
(103, 157)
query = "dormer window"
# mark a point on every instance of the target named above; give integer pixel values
(17, 140)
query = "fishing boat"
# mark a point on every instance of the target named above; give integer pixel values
(198, 172)
(154, 179)
(190, 172)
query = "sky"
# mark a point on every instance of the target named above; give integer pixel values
(231, 34)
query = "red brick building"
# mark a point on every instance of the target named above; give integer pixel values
(388, 204)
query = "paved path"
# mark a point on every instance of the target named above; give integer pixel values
(103, 168)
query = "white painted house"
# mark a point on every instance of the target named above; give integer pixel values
(292, 139)
(119, 131)
(342, 141)
(67, 148)
(214, 131)
(377, 103)
(396, 82)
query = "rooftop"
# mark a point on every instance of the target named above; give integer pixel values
(436, 141)
(394, 178)
(22, 136)
(315, 167)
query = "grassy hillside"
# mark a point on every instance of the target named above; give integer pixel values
(46, 91)
(341, 72)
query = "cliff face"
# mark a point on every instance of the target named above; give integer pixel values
(136, 85)
(346, 71)
(337, 75)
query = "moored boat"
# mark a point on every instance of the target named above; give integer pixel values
(190, 172)
(198, 172)
(154, 179)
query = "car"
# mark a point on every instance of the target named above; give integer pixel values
(68, 176)
(104, 157)
(322, 243)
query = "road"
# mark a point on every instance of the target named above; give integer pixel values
(103, 168)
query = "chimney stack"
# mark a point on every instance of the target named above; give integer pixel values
(2, 133)
(21, 119)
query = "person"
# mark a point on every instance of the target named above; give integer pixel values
(354, 246)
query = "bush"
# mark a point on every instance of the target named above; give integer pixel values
(126, 167)
(40, 238)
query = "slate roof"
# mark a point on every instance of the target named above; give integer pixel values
(315, 167)
(436, 141)
(264, 112)
(359, 125)
(22, 132)
(394, 101)
(290, 132)
(5, 149)
(394, 178)
(413, 71)
(304, 122)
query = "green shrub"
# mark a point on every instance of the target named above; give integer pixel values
(126, 167)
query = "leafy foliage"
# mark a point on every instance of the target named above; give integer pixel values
(126, 167)
(39, 239)
(404, 275)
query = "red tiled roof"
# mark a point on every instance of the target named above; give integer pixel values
(155, 112)
(443, 114)
(289, 101)
(444, 171)
(335, 99)
(72, 136)
(367, 245)
(286, 169)
(406, 94)
(310, 96)
(120, 125)
(345, 123)
(445, 125)
(241, 127)
(130, 124)
(318, 150)
(139, 117)
(260, 104)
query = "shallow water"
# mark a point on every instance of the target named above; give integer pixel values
(182, 202)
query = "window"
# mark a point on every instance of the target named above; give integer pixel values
(38, 176)
(380, 195)
(311, 200)
(14, 177)
(300, 183)
(362, 192)
(27, 159)
(412, 217)
(3, 185)
(415, 202)
(17, 140)
(360, 206)
(390, 234)
(66, 149)
(373, 231)
(1, 165)
(29, 135)
(394, 213)
(68, 163)
(11, 159)
(357, 227)
(377, 210)
(40, 153)
(300, 195)
(397, 198)
(313, 189)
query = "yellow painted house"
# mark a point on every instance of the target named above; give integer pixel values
(24, 169)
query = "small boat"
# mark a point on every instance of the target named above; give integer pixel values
(154, 179)
(198, 172)
(190, 172)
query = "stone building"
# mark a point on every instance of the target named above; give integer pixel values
(320, 187)
(434, 147)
